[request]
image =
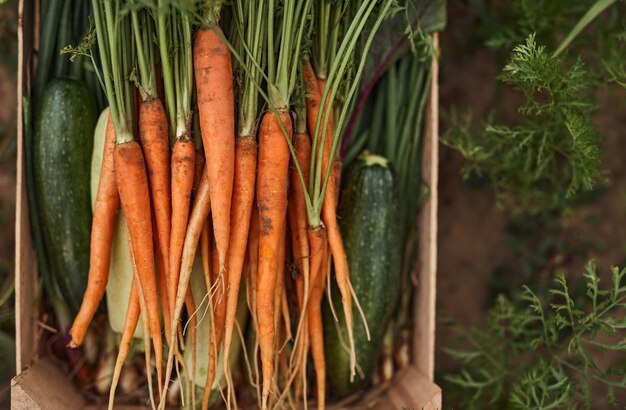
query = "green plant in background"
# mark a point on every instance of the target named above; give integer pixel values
(546, 353)
(543, 346)
(551, 154)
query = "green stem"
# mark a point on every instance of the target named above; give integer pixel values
(64, 39)
(594, 11)
(166, 67)
(143, 55)
(355, 84)
(48, 35)
(336, 74)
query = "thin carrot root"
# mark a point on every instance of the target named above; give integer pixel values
(197, 218)
(190, 305)
(130, 324)
(241, 210)
(319, 252)
(218, 312)
(162, 285)
(299, 238)
(205, 252)
(183, 168)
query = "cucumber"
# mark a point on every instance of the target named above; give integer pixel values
(120, 269)
(62, 155)
(368, 220)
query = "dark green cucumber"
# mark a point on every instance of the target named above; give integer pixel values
(368, 221)
(63, 144)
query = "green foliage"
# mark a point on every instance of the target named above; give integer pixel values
(545, 353)
(553, 152)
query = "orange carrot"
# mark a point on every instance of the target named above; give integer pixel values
(316, 328)
(205, 252)
(130, 325)
(105, 211)
(198, 169)
(197, 219)
(298, 220)
(132, 182)
(271, 190)
(284, 303)
(162, 285)
(329, 207)
(253, 270)
(183, 168)
(190, 305)
(153, 132)
(214, 84)
(218, 313)
(340, 259)
(253, 261)
(241, 210)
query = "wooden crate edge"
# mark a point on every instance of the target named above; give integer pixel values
(25, 266)
(25, 259)
(424, 308)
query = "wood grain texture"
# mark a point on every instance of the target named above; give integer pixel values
(25, 258)
(424, 305)
(44, 386)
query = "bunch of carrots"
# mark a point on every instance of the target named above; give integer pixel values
(223, 141)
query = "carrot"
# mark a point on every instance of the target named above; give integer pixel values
(313, 103)
(282, 299)
(190, 305)
(284, 302)
(298, 224)
(241, 210)
(105, 211)
(253, 259)
(183, 167)
(197, 219)
(162, 285)
(130, 324)
(340, 260)
(132, 182)
(251, 287)
(198, 169)
(205, 252)
(329, 207)
(214, 84)
(218, 314)
(271, 190)
(301, 341)
(316, 328)
(153, 132)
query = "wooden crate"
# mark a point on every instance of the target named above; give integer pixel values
(41, 385)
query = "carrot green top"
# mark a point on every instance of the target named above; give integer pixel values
(117, 55)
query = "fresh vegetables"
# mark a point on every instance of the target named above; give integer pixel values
(368, 209)
(215, 181)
